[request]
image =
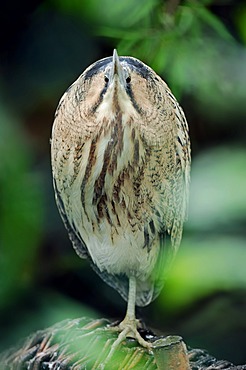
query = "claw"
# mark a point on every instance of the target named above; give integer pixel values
(127, 329)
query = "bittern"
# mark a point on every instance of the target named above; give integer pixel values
(121, 165)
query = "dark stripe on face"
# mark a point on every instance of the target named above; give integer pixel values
(137, 65)
(134, 103)
(100, 99)
(97, 67)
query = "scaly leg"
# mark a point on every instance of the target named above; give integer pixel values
(128, 327)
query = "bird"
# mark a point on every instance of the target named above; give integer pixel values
(120, 156)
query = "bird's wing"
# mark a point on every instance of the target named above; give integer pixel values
(75, 238)
(181, 188)
(175, 202)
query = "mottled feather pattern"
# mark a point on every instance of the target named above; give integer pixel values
(121, 164)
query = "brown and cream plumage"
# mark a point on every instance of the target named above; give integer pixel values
(121, 165)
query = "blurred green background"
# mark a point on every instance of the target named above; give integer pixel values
(198, 47)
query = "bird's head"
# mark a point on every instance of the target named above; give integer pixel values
(123, 84)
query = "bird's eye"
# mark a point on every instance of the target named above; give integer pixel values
(106, 79)
(128, 80)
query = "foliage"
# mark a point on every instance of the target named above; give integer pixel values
(166, 35)
(20, 211)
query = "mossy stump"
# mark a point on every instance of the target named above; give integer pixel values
(84, 344)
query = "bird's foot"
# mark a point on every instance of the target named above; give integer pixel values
(128, 328)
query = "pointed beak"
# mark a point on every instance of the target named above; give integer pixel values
(116, 70)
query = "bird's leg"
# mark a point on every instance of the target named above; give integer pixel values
(128, 327)
(130, 319)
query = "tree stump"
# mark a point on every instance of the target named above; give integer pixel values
(85, 343)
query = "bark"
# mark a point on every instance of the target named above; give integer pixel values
(84, 344)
